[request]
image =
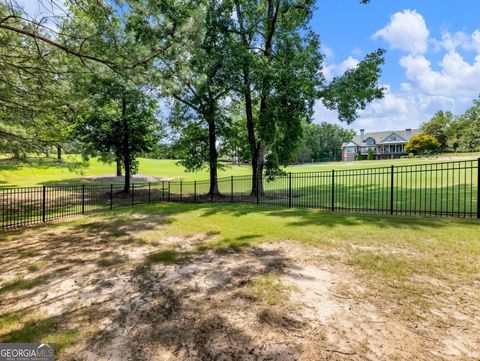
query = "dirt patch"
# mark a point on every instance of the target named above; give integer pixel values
(276, 301)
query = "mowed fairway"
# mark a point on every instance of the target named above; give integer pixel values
(40, 171)
(242, 282)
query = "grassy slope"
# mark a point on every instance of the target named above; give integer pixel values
(48, 172)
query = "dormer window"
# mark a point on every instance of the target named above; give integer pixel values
(370, 141)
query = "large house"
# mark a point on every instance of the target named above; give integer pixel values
(385, 145)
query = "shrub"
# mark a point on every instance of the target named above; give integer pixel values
(370, 155)
(422, 143)
(359, 155)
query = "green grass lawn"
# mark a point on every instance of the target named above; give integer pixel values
(94, 273)
(41, 171)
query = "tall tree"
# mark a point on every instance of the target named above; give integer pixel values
(281, 69)
(467, 127)
(193, 73)
(322, 142)
(121, 121)
(439, 126)
(45, 55)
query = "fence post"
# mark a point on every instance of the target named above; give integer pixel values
(111, 196)
(149, 190)
(43, 203)
(169, 191)
(289, 190)
(133, 194)
(181, 190)
(231, 188)
(195, 191)
(83, 198)
(333, 190)
(391, 189)
(478, 189)
(163, 190)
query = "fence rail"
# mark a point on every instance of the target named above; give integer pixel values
(449, 189)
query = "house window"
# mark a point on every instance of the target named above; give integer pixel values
(371, 141)
(350, 149)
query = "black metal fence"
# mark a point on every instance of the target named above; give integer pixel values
(449, 189)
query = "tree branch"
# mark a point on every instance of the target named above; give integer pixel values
(55, 44)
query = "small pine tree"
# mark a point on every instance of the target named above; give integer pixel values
(359, 155)
(370, 154)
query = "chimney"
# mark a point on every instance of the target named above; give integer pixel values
(362, 135)
(409, 132)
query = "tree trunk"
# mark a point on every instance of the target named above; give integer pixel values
(257, 170)
(59, 152)
(126, 161)
(255, 147)
(47, 151)
(213, 156)
(118, 162)
(126, 147)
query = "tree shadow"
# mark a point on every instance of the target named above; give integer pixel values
(89, 274)
(187, 318)
(302, 217)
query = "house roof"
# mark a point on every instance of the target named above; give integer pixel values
(380, 137)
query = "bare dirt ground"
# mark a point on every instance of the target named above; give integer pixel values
(123, 300)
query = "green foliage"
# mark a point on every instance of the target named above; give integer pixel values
(120, 122)
(370, 155)
(235, 145)
(467, 127)
(89, 83)
(192, 147)
(356, 88)
(422, 143)
(359, 155)
(439, 127)
(322, 142)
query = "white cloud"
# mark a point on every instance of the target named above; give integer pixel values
(405, 108)
(474, 42)
(450, 41)
(328, 52)
(332, 70)
(451, 84)
(406, 31)
(456, 78)
(389, 113)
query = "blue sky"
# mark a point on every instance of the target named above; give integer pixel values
(432, 60)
